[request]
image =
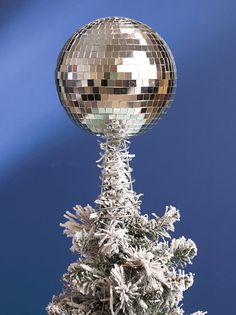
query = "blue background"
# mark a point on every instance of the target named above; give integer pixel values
(47, 164)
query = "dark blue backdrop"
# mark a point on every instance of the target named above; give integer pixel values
(47, 165)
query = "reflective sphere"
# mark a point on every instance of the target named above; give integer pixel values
(115, 69)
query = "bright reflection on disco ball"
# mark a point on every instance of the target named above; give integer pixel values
(115, 69)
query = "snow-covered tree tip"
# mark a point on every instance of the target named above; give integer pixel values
(127, 262)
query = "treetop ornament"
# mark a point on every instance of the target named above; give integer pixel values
(115, 78)
(115, 69)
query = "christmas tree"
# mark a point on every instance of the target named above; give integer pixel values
(127, 262)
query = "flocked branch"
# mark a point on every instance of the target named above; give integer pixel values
(127, 262)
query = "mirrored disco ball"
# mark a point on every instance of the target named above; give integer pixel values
(115, 69)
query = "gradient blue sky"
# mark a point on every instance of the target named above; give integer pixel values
(47, 164)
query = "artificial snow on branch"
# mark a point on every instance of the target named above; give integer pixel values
(127, 263)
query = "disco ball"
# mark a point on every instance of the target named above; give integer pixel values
(115, 69)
